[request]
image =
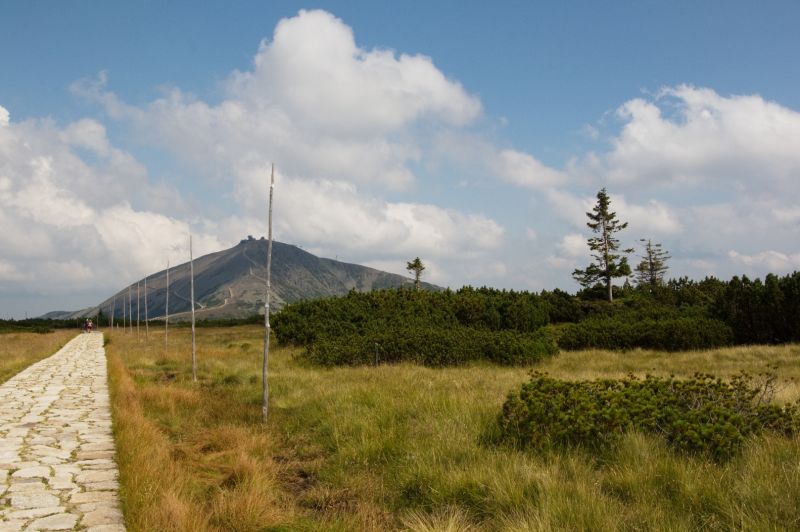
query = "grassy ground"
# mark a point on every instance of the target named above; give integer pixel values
(19, 350)
(399, 447)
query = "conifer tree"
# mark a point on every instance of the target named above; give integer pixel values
(650, 271)
(416, 266)
(609, 260)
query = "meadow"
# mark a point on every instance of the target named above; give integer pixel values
(408, 447)
(19, 350)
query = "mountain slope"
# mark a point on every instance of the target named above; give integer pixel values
(231, 283)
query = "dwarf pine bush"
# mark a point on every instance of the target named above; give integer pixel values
(432, 347)
(701, 415)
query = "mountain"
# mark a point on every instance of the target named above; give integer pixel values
(231, 283)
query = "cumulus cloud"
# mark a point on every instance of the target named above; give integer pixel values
(693, 136)
(314, 102)
(344, 126)
(66, 225)
(312, 212)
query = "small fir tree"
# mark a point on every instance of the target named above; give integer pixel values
(416, 267)
(650, 271)
(609, 260)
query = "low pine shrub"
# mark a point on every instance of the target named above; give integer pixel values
(431, 347)
(670, 334)
(304, 322)
(702, 415)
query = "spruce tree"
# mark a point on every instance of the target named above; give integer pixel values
(609, 260)
(650, 271)
(416, 267)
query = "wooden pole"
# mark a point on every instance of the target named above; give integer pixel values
(146, 323)
(138, 310)
(166, 315)
(124, 314)
(130, 309)
(194, 348)
(113, 310)
(265, 365)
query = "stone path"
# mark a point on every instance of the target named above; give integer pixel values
(57, 469)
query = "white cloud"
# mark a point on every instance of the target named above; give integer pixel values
(693, 136)
(5, 117)
(473, 154)
(652, 217)
(343, 125)
(314, 70)
(523, 170)
(334, 215)
(66, 225)
(770, 260)
(573, 245)
(314, 103)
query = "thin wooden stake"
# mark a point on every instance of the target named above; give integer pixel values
(114, 309)
(138, 312)
(194, 349)
(166, 315)
(265, 366)
(130, 309)
(146, 322)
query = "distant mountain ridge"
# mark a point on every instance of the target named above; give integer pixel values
(231, 284)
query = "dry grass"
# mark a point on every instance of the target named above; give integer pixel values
(402, 447)
(21, 349)
(192, 456)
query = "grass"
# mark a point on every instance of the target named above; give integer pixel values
(401, 447)
(18, 350)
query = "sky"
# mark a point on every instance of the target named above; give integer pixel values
(474, 135)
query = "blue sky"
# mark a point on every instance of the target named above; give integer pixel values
(471, 134)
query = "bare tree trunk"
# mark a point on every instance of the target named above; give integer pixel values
(166, 316)
(265, 365)
(114, 309)
(130, 308)
(609, 289)
(194, 345)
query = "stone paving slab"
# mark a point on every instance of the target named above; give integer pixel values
(57, 469)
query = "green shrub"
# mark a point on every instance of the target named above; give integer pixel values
(669, 334)
(431, 347)
(702, 415)
(304, 322)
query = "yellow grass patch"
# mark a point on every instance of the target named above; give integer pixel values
(21, 349)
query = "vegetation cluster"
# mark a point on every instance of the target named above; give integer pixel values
(451, 327)
(430, 328)
(36, 325)
(701, 414)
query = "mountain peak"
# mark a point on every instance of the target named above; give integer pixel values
(232, 283)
